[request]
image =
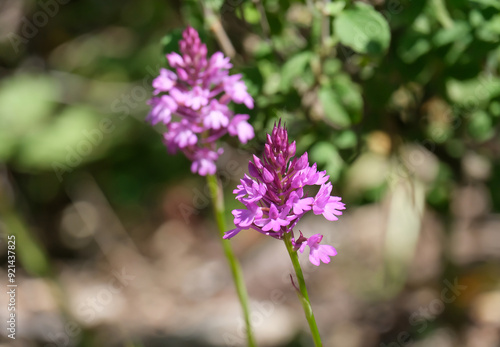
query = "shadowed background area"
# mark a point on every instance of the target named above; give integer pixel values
(116, 244)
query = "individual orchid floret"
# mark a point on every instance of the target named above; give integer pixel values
(164, 82)
(162, 109)
(275, 200)
(204, 161)
(318, 253)
(237, 91)
(245, 217)
(276, 219)
(299, 205)
(239, 126)
(329, 206)
(191, 99)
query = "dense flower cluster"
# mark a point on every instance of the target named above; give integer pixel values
(198, 94)
(274, 198)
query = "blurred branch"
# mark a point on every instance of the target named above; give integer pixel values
(264, 22)
(220, 34)
(325, 28)
(113, 236)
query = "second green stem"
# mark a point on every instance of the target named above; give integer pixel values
(218, 203)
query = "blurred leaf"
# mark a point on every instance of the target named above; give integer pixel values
(350, 96)
(422, 24)
(331, 66)
(363, 29)
(305, 141)
(492, 3)
(170, 42)
(415, 42)
(7, 146)
(346, 139)
(325, 154)
(333, 108)
(251, 13)
(267, 68)
(270, 72)
(476, 91)
(25, 102)
(275, 21)
(262, 48)
(293, 68)
(449, 35)
(495, 108)
(476, 18)
(65, 141)
(403, 13)
(334, 8)
(289, 42)
(413, 47)
(490, 30)
(480, 126)
(457, 49)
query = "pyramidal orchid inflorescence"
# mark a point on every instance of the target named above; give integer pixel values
(274, 196)
(192, 101)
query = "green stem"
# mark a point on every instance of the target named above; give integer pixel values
(218, 203)
(303, 295)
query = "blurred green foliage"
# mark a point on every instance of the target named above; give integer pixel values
(422, 72)
(348, 77)
(357, 83)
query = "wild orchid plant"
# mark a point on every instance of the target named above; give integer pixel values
(275, 201)
(191, 100)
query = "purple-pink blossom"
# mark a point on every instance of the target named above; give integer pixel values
(191, 99)
(274, 197)
(318, 253)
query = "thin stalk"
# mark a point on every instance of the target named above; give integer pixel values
(218, 204)
(303, 295)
